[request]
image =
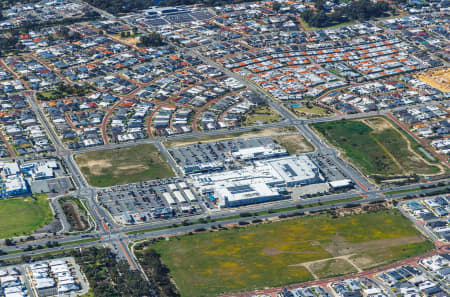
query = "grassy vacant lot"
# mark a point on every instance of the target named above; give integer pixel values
(309, 28)
(76, 213)
(376, 146)
(264, 114)
(63, 91)
(272, 254)
(227, 136)
(311, 111)
(332, 268)
(123, 165)
(19, 216)
(294, 144)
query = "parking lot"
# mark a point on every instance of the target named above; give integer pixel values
(149, 201)
(328, 167)
(54, 186)
(215, 155)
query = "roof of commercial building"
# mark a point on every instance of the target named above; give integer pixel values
(236, 192)
(15, 183)
(292, 169)
(280, 170)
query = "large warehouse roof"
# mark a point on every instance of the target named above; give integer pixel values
(259, 179)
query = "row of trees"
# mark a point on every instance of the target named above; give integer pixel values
(69, 34)
(64, 90)
(124, 6)
(121, 6)
(158, 273)
(9, 44)
(109, 277)
(153, 39)
(210, 3)
(26, 27)
(360, 10)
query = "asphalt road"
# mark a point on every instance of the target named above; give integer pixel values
(118, 234)
(110, 233)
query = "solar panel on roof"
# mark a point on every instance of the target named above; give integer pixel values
(289, 170)
(240, 189)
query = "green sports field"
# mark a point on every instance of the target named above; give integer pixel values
(20, 216)
(275, 254)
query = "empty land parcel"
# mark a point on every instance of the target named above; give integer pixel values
(279, 253)
(228, 136)
(19, 216)
(132, 164)
(294, 144)
(376, 146)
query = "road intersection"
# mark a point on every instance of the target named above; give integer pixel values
(108, 232)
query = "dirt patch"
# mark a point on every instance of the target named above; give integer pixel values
(130, 169)
(295, 144)
(439, 79)
(339, 247)
(362, 261)
(215, 138)
(276, 251)
(332, 267)
(377, 124)
(271, 251)
(96, 167)
(73, 216)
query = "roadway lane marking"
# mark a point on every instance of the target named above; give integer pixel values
(126, 255)
(101, 219)
(362, 186)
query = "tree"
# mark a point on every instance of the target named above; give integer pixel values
(26, 259)
(9, 43)
(70, 35)
(360, 10)
(276, 6)
(319, 5)
(9, 242)
(152, 39)
(121, 6)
